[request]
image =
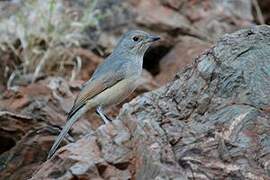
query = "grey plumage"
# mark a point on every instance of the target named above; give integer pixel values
(112, 81)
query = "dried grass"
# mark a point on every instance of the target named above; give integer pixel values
(46, 30)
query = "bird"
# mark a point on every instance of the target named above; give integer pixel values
(112, 81)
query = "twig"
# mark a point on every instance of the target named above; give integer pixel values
(258, 11)
(8, 115)
(40, 65)
(10, 79)
(76, 69)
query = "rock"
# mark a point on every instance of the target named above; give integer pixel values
(149, 15)
(214, 18)
(209, 123)
(98, 155)
(31, 117)
(29, 120)
(175, 4)
(183, 53)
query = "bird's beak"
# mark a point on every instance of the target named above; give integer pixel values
(152, 38)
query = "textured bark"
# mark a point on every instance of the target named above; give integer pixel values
(211, 122)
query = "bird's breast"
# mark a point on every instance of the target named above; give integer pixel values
(134, 68)
(117, 93)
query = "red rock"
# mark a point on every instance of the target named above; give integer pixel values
(152, 14)
(181, 55)
(172, 3)
(35, 90)
(19, 103)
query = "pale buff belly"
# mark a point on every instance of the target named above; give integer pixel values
(115, 94)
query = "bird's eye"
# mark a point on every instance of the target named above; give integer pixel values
(135, 38)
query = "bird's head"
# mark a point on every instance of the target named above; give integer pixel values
(135, 42)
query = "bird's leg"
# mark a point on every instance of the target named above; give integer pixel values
(107, 117)
(103, 116)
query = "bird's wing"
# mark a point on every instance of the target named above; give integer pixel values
(108, 74)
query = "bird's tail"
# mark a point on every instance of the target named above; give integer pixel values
(65, 130)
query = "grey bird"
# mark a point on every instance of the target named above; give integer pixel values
(112, 81)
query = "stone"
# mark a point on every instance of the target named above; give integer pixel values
(149, 15)
(208, 123)
(183, 54)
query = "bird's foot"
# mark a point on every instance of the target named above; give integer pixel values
(102, 115)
